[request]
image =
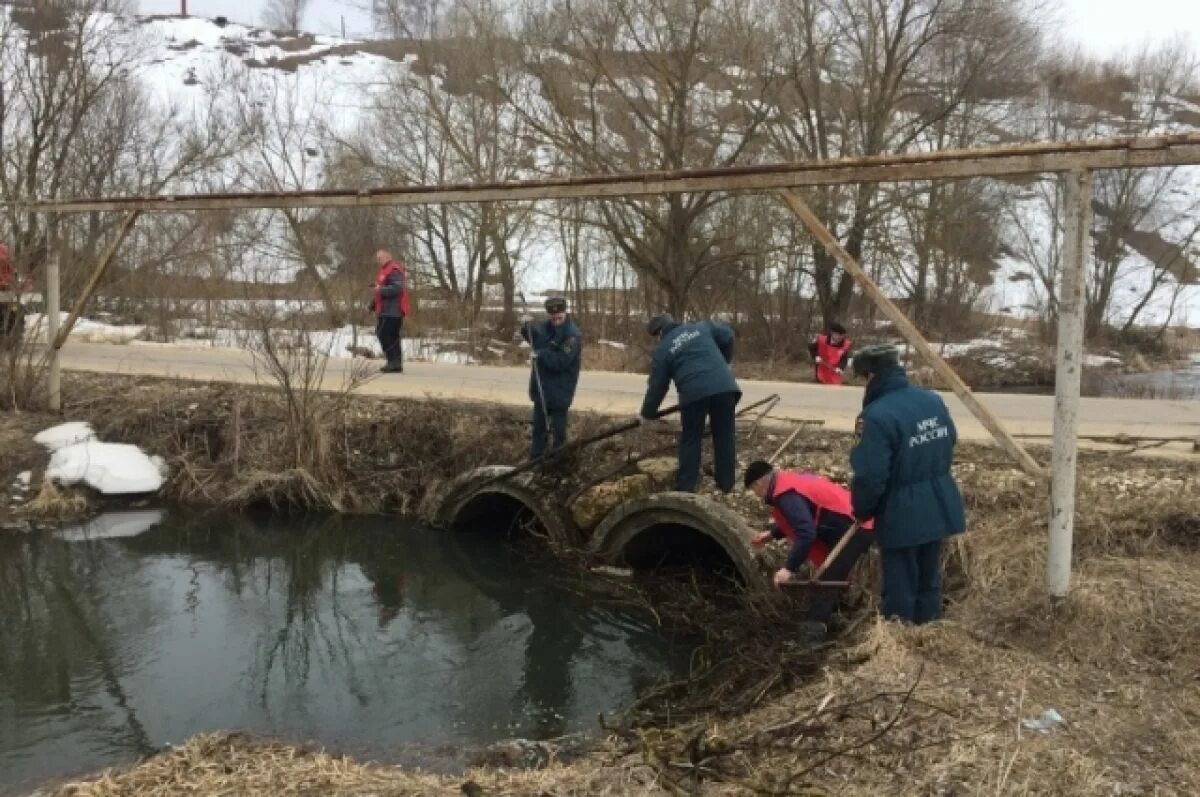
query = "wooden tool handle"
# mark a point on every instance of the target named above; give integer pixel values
(836, 552)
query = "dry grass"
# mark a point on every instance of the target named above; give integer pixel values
(230, 446)
(938, 710)
(890, 710)
(55, 503)
(216, 765)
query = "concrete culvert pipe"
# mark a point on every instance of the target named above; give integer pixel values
(677, 529)
(475, 502)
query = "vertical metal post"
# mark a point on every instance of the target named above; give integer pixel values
(52, 318)
(1077, 205)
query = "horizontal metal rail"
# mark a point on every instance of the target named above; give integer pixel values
(1020, 159)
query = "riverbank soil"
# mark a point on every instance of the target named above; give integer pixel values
(1011, 693)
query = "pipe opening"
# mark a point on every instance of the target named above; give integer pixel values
(678, 546)
(497, 513)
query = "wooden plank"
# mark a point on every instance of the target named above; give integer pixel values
(94, 281)
(953, 164)
(913, 336)
(1068, 373)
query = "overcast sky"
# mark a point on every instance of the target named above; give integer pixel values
(1103, 27)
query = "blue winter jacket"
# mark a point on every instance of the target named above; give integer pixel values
(901, 459)
(558, 359)
(697, 357)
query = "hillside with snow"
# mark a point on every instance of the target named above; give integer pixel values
(313, 91)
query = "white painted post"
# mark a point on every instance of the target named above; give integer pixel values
(1077, 207)
(51, 312)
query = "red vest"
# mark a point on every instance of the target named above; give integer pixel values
(824, 495)
(831, 354)
(8, 274)
(10, 280)
(386, 270)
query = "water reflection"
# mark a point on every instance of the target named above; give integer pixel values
(1179, 384)
(357, 634)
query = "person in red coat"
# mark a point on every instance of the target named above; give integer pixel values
(391, 306)
(12, 312)
(831, 354)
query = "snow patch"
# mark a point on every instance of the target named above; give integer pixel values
(85, 330)
(65, 434)
(109, 468)
(345, 342)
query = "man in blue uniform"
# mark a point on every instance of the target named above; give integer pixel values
(904, 447)
(557, 348)
(697, 357)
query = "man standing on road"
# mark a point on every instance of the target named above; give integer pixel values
(903, 451)
(391, 306)
(830, 353)
(557, 350)
(12, 312)
(814, 513)
(697, 357)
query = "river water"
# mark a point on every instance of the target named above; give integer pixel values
(364, 635)
(1183, 383)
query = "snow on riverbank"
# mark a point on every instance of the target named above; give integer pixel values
(76, 456)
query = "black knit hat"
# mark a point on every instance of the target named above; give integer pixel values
(838, 328)
(874, 359)
(755, 471)
(556, 304)
(659, 322)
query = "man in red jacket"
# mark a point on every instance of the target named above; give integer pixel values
(391, 306)
(12, 312)
(831, 354)
(814, 513)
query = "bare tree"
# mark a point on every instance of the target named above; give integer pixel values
(286, 15)
(1144, 219)
(450, 120)
(287, 151)
(629, 85)
(410, 19)
(75, 121)
(868, 77)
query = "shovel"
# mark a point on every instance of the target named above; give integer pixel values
(816, 582)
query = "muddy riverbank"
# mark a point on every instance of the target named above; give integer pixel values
(883, 709)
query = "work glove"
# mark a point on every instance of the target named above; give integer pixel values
(782, 576)
(526, 320)
(533, 357)
(761, 539)
(820, 361)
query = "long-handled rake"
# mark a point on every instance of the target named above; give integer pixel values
(537, 374)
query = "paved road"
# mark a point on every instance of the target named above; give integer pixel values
(621, 393)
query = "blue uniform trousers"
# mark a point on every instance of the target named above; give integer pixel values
(558, 425)
(912, 582)
(719, 411)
